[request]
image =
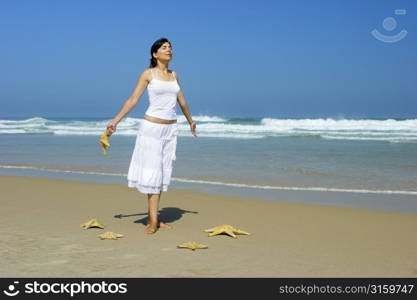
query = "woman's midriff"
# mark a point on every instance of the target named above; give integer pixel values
(158, 120)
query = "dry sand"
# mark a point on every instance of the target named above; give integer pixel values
(41, 235)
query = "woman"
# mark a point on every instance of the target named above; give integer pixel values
(151, 164)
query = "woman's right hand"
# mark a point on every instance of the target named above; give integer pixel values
(111, 128)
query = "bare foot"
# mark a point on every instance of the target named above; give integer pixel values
(162, 225)
(150, 229)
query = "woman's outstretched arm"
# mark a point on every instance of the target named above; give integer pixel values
(131, 102)
(184, 107)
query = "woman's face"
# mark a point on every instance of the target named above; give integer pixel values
(164, 52)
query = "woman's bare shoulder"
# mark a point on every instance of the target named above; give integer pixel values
(174, 72)
(147, 73)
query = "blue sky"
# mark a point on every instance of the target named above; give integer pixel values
(278, 59)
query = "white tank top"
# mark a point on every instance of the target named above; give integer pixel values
(162, 98)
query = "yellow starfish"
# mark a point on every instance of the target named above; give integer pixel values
(104, 141)
(192, 246)
(228, 229)
(110, 235)
(91, 223)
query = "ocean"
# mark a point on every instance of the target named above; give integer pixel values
(257, 157)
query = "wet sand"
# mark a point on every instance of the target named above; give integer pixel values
(41, 235)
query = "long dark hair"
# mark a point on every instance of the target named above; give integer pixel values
(155, 48)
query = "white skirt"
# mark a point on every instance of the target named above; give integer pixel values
(152, 160)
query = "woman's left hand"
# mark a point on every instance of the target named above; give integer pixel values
(193, 125)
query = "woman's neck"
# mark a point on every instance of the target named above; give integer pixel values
(162, 68)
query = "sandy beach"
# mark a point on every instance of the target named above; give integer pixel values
(41, 235)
